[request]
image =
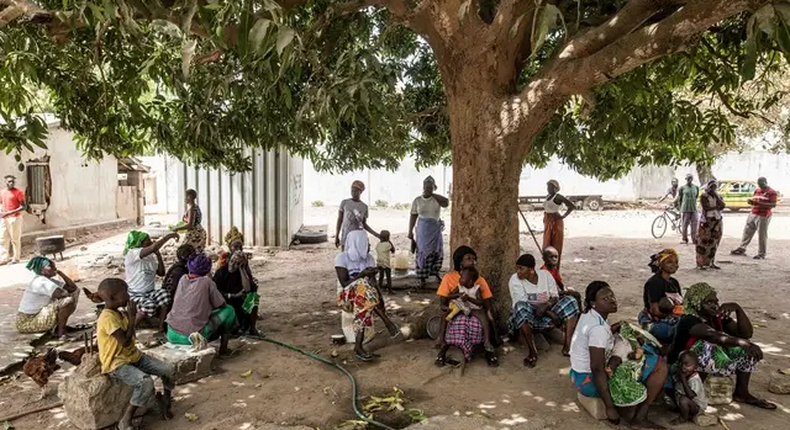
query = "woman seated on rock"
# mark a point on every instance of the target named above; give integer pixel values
(143, 262)
(464, 331)
(178, 270)
(47, 303)
(235, 281)
(537, 306)
(662, 297)
(357, 291)
(593, 341)
(720, 341)
(199, 310)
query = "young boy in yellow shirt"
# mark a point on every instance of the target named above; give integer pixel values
(122, 360)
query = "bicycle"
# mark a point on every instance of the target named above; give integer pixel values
(669, 216)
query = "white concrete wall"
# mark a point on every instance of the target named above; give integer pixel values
(163, 170)
(646, 182)
(83, 192)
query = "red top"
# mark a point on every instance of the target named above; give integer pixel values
(767, 195)
(555, 273)
(12, 200)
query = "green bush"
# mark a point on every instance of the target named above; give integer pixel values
(318, 204)
(382, 204)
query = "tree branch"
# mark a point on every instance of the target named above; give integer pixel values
(632, 16)
(673, 34)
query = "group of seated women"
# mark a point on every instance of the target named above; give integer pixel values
(192, 305)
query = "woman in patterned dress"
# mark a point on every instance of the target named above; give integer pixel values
(195, 233)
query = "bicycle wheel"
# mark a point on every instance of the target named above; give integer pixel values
(659, 228)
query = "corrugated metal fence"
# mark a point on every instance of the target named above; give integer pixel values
(259, 203)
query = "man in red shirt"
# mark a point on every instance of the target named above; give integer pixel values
(12, 204)
(763, 202)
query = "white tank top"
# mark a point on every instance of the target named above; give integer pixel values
(550, 207)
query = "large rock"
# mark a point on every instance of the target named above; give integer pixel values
(91, 400)
(189, 365)
(780, 384)
(593, 405)
(719, 390)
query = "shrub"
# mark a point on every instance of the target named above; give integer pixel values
(318, 204)
(382, 204)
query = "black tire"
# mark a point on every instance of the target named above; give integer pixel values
(659, 227)
(594, 204)
(310, 237)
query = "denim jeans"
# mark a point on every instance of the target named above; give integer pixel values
(138, 376)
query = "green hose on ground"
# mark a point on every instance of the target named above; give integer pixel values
(332, 364)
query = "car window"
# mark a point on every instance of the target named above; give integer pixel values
(749, 188)
(734, 187)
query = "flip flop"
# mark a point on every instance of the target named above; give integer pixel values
(366, 358)
(492, 359)
(440, 362)
(531, 361)
(760, 403)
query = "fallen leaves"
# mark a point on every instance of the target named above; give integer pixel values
(191, 417)
(246, 374)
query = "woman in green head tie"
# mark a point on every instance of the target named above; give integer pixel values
(720, 336)
(143, 262)
(47, 302)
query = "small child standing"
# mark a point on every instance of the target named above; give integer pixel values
(384, 251)
(689, 388)
(122, 360)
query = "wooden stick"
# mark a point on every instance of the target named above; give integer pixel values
(723, 424)
(34, 411)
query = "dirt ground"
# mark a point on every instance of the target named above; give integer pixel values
(299, 307)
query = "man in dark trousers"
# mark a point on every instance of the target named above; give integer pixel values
(687, 203)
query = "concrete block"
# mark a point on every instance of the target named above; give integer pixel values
(93, 401)
(189, 365)
(719, 390)
(593, 405)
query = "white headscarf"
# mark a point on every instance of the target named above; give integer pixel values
(356, 250)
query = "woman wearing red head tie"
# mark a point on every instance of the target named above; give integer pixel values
(353, 216)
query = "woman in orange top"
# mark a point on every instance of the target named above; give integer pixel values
(463, 331)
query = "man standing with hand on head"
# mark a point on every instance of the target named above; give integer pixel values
(12, 204)
(763, 203)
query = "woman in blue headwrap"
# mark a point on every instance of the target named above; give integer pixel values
(426, 211)
(199, 311)
(47, 302)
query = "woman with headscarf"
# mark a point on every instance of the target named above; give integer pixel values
(47, 303)
(722, 343)
(199, 310)
(553, 220)
(426, 212)
(143, 262)
(235, 281)
(357, 291)
(662, 297)
(711, 227)
(591, 348)
(191, 223)
(352, 217)
(464, 331)
(178, 270)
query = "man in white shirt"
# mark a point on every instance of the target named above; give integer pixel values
(537, 306)
(47, 303)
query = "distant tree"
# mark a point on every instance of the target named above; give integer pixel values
(485, 84)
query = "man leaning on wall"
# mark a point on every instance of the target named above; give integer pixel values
(12, 204)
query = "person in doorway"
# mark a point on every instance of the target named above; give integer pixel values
(47, 303)
(711, 227)
(722, 343)
(687, 203)
(671, 193)
(12, 204)
(538, 306)
(358, 293)
(593, 341)
(662, 297)
(235, 281)
(352, 217)
(195, 233)
(200, 309)
(178, 270)
(464, 331)
(123, 361)
(426, 211)
(553, 221)
(763, 203)
(143, 262)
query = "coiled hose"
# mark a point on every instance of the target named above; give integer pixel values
(331, 364)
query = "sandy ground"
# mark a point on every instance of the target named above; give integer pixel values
(298, 306)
